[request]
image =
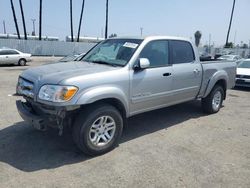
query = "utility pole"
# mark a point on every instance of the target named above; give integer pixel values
(209, 43)
(4, 29)
(102, 33)
(106, 26)
(141, 31)
(235, 34)
(230, 23)
(34, 31)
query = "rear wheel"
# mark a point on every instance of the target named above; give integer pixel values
(98, 129)
(22, 62)
(212, 103)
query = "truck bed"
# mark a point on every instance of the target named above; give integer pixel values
(212, 69)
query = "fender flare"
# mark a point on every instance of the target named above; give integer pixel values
(219, 75)
(95, 94)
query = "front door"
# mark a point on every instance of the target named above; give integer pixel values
(151, 87)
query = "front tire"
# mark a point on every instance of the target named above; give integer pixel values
(98, 129)
(212, 103)
(22, 62)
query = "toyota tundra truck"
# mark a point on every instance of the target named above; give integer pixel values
(117, 79)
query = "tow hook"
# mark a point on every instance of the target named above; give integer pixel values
(60, 120)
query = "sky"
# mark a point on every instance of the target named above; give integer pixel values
(126, 17)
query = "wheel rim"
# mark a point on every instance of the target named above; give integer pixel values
(22, 62)
(102, 131)
(217, 100)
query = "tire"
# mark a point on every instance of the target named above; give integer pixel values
(22, 62)
(88, 125)
(212, 103)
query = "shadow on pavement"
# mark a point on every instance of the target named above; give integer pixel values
(29, 150)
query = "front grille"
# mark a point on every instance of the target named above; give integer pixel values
(242, 76)
(242, 82)
(25, 87)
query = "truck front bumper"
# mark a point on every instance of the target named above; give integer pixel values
(28, 114)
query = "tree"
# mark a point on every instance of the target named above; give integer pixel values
(197, 36)
(15, 20)
(24, 26)
(71, 22)
(229, 45)
(106, 25)
(113, 35)
(231, 18)
(80, 21)
(244, 46)
(40, 21)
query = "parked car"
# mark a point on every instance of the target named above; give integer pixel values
(229, 57)
(243, 73)
(117, 79)
(13, 56)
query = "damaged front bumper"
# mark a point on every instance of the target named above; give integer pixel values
(43, 116)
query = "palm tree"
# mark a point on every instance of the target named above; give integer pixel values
(106, 26)
(14, 16)
(71, 22)
(229, 28)
(40, 20)
(197, 36)
(80, 22)
(24, 27)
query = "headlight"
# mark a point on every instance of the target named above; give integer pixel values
(55, 93)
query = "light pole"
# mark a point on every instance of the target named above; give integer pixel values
(33, 32)
(4, 29)
(141, 31)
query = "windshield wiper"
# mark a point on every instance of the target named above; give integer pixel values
(105, 63)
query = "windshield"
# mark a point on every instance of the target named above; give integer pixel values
(244, 64)
(116, 52)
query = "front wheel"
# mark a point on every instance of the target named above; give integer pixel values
(98, 129)
(212, 103)
(22, 62)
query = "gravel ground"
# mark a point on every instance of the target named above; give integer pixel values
(177, 146)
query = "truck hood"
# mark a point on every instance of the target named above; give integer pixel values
(56, 72)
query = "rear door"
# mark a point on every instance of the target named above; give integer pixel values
(151, 87)
(187, 73)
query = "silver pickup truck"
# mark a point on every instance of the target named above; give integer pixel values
(116, 79)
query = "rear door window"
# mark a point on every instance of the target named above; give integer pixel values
(11, 52)
(182, 52)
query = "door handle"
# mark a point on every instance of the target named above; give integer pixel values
(196, 71)
(7, 56)
(167, 74)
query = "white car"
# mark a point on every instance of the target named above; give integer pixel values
(243, 73)
(12, 56)
(229, 57)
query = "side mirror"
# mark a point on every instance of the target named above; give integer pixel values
(142, 64)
